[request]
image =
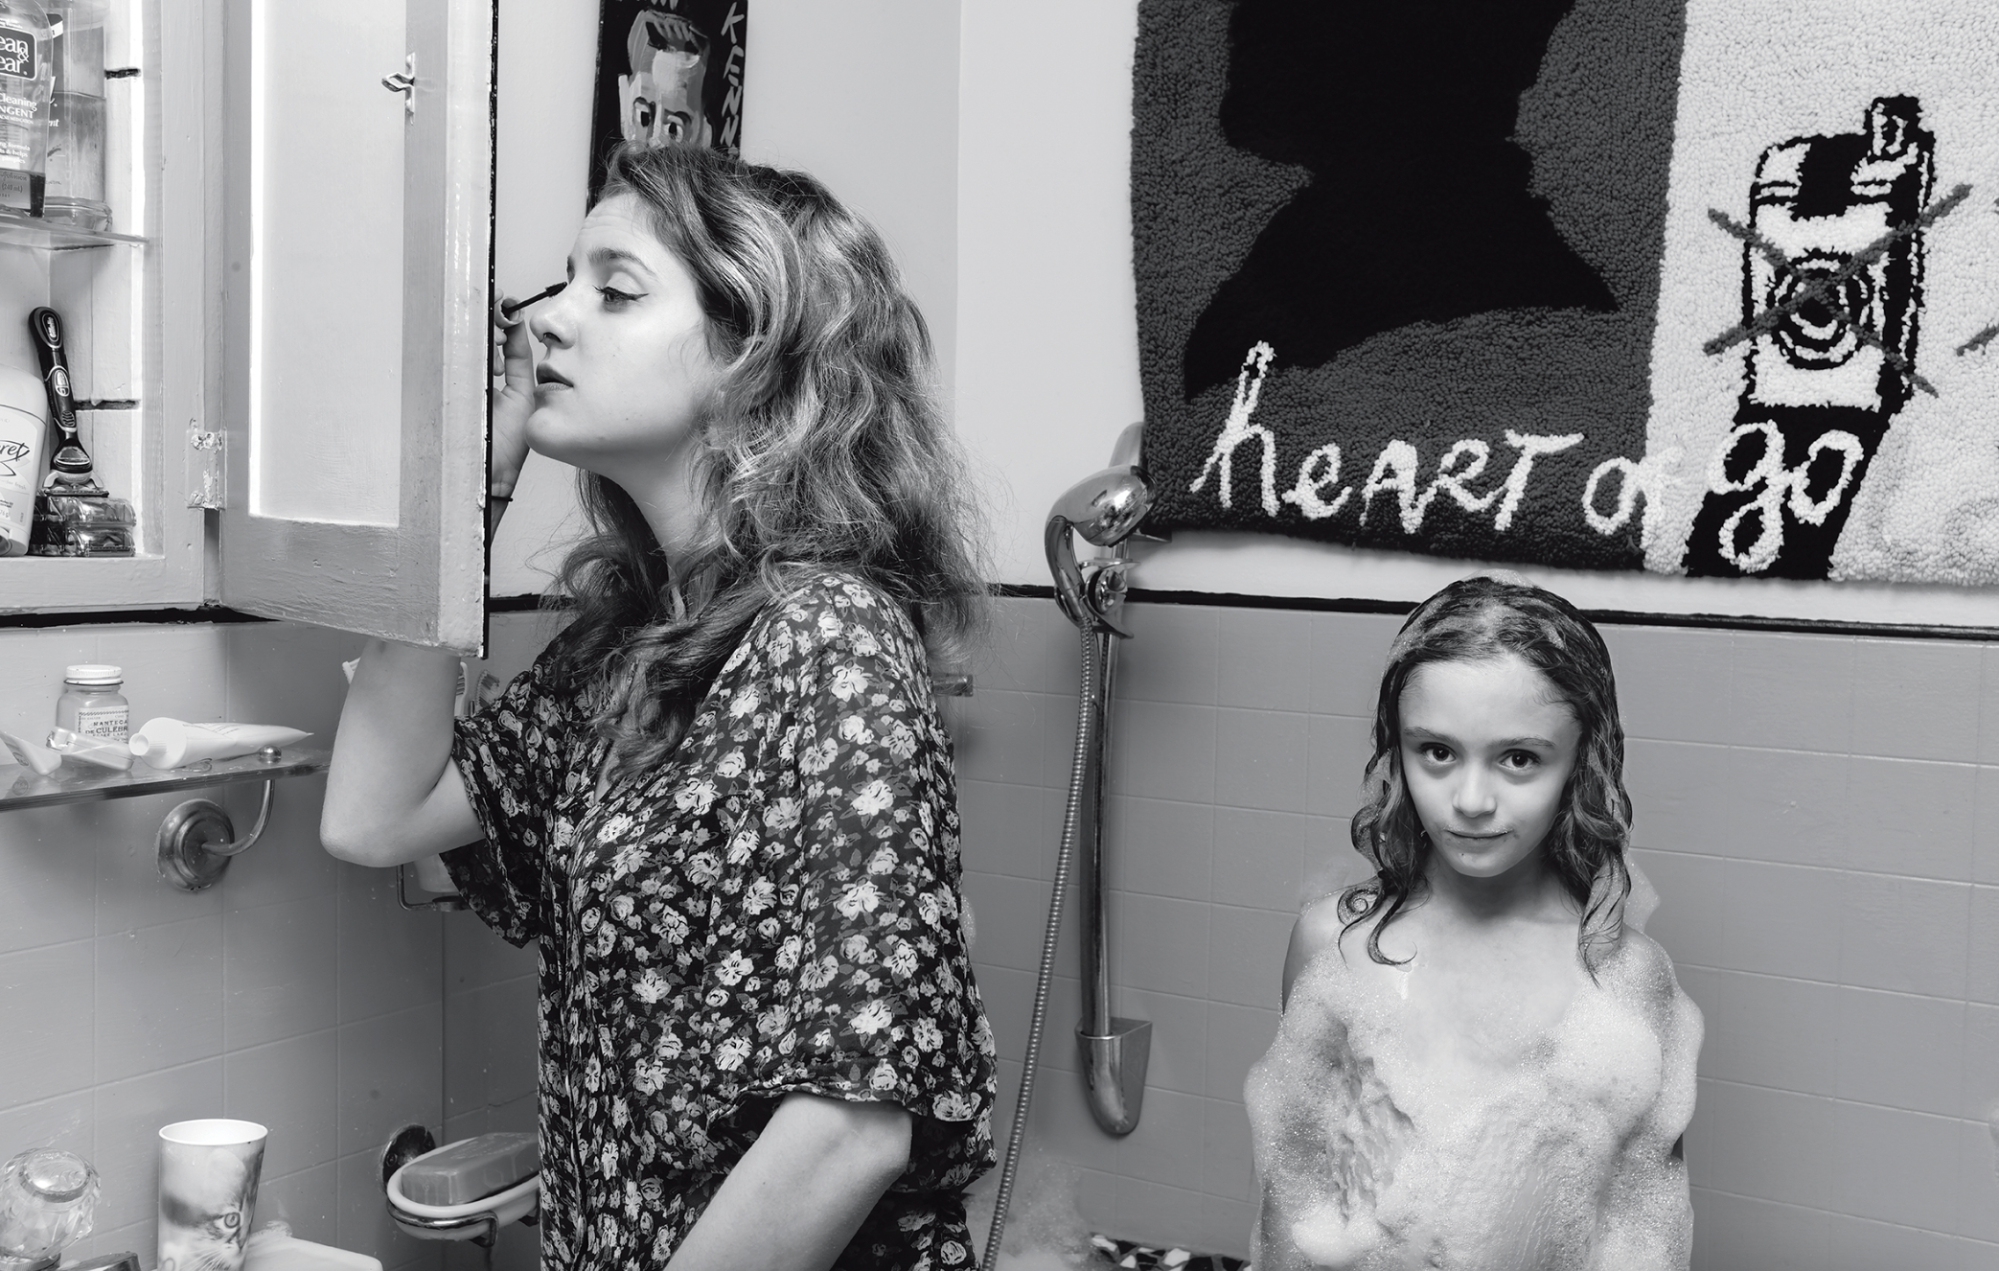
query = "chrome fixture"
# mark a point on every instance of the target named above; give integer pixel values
(1106, 510)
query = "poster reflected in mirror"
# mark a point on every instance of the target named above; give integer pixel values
(668, 72)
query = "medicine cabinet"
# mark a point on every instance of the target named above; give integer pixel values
(288, 375)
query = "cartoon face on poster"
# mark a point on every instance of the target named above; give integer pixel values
(668, 72)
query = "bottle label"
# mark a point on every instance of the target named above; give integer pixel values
(17, 52)
(105, 723)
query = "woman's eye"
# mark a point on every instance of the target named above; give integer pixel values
(614, 297)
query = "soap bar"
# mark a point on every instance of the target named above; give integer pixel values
(470, 1169)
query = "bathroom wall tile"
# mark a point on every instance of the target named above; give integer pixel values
(1012, 914)
(1033, 648)
(1163, 750)
(474, 957)
(1226, 1167)
(1747, 915)
(279, 972)
(137, 1237)
(1238, 1036)
(1977, 1255)
(1064, 1012)
(45, 997)
(1790, 691)
(1259, 857)
(1859, 1244)
(289, 1087)
(1331, 863)
(1985, 826)
(1165, 1146)
(126, 1149)
(1159, 1214)
(1179, 1055)
(1977, 1182)
(158, 998)
(1784, 805)
(1741, 1233)
(1009, 829)
(1906, 1174)
(1765, 1031)
(1009, 997)
(362, 1223)
(391, 1070)
(1901, 1051)
(1980, 1100)
(1917, 699)
(169, 670)
(998, 738)
(389, 958)
(1061, 1126)
(307, 1201)
(1266, 658)
(1159, 847)
(51, 890)
(64, 1122)
(124, 835)
(1337, 750)
(1173, 655)
(1904, 933)
(1984, 951)
(1246, 955)
(35, 660)
(1348, 650)
(1674, 794)
(1672, 682)
(1769, 1144)
(1161, 944)
(1912, 817)
(1988, 715)
(288, 863)
(490, 1056)
(287, 673)
(1261, 760)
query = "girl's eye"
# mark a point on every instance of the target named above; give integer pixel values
(1521, 760)
(1436, 753)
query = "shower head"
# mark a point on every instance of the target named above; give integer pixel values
(1105, 509)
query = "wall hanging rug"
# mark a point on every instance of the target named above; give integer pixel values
(1693, 286)
(668, 71)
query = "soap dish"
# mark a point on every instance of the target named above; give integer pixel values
(471, 1220)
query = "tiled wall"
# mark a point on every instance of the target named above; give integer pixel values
(1821, 816)
(294, 993)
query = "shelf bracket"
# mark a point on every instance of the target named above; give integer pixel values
(404, 82)
(197, 839)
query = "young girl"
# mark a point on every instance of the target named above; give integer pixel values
(1480, 1065)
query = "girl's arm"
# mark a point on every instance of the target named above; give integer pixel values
(393, 794)
(801, 1191)
(1317, 929)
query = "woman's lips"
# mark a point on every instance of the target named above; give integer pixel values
(545, 376)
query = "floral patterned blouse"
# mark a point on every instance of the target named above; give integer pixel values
(773, 910)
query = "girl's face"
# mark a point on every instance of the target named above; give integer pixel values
(1487, 749)
(627, 378)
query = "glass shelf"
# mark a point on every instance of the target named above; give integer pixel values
(17, 230)
(78, 783)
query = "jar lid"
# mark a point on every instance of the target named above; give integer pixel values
(94, 673)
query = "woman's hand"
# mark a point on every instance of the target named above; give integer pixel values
(513, 358)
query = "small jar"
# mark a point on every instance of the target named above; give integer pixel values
(92, 706)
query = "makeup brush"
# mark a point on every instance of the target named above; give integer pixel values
(512, 307)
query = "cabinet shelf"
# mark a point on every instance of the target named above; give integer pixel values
(74, 783)
(17, 230)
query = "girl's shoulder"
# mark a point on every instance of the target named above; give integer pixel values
(1347, 915)
(1639, 974)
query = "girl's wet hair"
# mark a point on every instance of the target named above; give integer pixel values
(1473, 620)
(823, 448)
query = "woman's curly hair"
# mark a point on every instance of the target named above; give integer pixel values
(824, 447)
(1472, 620)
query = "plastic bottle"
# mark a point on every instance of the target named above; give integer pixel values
(91, 705)
(24, 431)
(75, 191)
(27, 80)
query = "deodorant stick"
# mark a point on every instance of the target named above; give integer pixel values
(24, 426)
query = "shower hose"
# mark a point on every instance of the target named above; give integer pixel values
(1089, 720)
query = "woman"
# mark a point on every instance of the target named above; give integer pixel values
(721, 801)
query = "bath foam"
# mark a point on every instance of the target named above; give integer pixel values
(1551, 1147)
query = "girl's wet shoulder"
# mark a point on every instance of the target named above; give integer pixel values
(1639, 973)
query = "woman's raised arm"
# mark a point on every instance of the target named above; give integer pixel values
(393, 794)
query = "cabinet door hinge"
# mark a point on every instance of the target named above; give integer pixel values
(207, 475)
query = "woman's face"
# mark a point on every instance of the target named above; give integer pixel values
(626, 380)
(1487, 749)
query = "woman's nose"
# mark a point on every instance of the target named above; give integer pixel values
(550, 321)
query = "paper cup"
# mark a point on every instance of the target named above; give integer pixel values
(208, 1192)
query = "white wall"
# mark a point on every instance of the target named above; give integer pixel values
(863, 94)
(1048, 357)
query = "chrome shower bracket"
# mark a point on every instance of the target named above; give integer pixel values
(197, 839)
(1114, 1072)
